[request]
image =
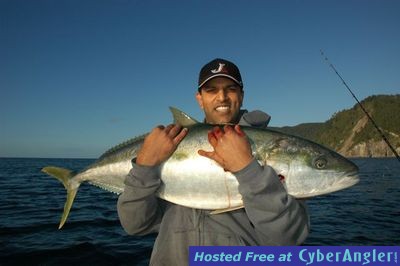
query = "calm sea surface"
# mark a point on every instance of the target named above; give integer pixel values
(31, 205)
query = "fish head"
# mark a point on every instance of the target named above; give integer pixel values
(308, 169)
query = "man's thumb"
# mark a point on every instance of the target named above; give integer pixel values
(208, 154)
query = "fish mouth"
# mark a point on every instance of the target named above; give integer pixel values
(347, 180)
(350, 179)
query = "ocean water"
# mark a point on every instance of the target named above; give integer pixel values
(31, 205)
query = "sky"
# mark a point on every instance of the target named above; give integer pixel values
(78, 77)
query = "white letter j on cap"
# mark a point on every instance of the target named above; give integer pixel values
(221, 66)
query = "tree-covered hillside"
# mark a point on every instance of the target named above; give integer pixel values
(350, 128)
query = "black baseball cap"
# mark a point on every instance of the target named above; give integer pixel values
(220, 68)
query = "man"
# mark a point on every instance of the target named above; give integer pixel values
(270, 216)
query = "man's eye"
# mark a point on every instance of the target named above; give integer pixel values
(233, 88)
(209, 90)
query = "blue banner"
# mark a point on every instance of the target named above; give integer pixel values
(294, 255)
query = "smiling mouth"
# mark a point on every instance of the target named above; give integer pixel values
(223, 109)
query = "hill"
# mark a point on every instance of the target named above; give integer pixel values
(350, 132)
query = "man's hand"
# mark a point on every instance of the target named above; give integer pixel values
(231, 148)
(159, 145)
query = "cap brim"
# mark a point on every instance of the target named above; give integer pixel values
(220, 75)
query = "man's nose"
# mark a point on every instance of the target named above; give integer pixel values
(222, 95)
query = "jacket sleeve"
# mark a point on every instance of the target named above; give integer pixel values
(139, 209)
(255, 118)
(279, 218)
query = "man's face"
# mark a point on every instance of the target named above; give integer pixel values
(221, 99)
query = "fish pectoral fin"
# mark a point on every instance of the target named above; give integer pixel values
(65, 176)
(227, 209)
(182, 118)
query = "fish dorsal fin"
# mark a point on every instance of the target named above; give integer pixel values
(121, 146)
(182, 118)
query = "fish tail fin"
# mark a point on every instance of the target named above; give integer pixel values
(65, 177)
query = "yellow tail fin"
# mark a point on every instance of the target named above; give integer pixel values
(65, 176)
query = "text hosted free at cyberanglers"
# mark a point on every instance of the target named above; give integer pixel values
(311, 255)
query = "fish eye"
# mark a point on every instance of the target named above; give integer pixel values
(320, 163)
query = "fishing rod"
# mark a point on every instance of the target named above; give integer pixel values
(362, 107)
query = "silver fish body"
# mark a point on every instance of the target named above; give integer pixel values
(307, 169)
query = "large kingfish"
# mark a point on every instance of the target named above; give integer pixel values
(307, 169)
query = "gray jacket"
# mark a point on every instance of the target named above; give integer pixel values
(270, 216)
